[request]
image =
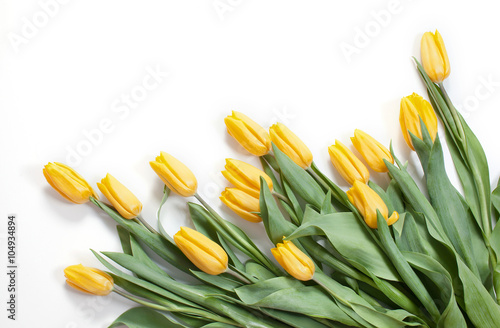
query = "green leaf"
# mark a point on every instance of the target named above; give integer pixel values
(451, 315)
(300, 181)
(448, 206)
(124, 236)
(222, 281)
(274, 222)
(289, 294)
(351, 239)
(409, 276)
(363, 310)
(293, 200)
(166, 249)
(143, 317)
(375, 187)
(479, 305)
(394, 193)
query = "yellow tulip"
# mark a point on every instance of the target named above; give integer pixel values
(122, 199)
(207, 255)
(245, 176)
(413, 108)
(347, 164)
(367, 201)
(68, 183)
(372, 151)
(434, 57)
(88, 280)
(294, 261)
(249, 134)
(243, 204)
(291, 145)
(175, 174)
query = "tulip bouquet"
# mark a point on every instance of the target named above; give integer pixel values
(397, 256)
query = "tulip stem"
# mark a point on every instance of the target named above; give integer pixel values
(238, 276)
(453, 111)
(189, 311)
(141, 220)
(281, 197)
(242, 243)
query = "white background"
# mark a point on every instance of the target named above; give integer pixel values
(63, 77)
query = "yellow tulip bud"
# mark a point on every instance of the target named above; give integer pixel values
(347, 164)
(249, 134)
(291, 145)
(245, 176)
(294, 261)
(242, 204)
(372, 151)
(413, 108)
(88, 280)
(207, 255)
(434, 57)
(68, 183)
(367, 201)
(175, 174)
(122, 199)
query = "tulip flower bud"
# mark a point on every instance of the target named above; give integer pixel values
(243, 204)
(249, 134)
(122, 199)
(88, 280)
(367, 201)
(245, 176)
(68, 183)
(372, 151)
(414, 108)
(294, 261)
(207, 255)
(291, 145)
(176, 176)
(347, 164)
(434, 57)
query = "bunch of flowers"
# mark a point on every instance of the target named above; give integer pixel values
(399, 256)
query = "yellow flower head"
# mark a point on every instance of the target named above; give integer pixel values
(291, 145)
(414, 108)
(294, 261)
(372, 151)
(88, 280)
(68, 183)
(207, 255)
(347, 164)
(249, 134)
(122, 199)
(434, 57)
(176, 176)
(245, 176)
(367, 201)
(243, 204)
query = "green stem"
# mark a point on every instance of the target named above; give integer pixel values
(190, 311)
(454, 114)
(258, 255)
(141, 220)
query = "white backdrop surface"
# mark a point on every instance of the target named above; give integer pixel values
(104, 86)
